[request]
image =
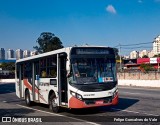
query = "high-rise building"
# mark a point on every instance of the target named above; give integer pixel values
(2, 53)
(10, 53)
(19, 54)
(26, 53)
(156, 45)
(143, 53)
(151, 54)
(134, 55)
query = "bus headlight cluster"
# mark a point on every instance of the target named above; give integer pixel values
(78, 96)
(115, 93)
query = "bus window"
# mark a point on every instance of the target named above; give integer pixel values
(52, 66)
(43, 72)
(36, 68)
(48, 67)
(17, 70)
(93, 70)
(28, 71)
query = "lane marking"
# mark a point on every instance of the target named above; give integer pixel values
(134, 112)
(136, 93)
(131, 93)
(93, 123)
(140, 88)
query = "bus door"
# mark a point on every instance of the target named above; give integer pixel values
(35, 77)
(19, 73)
(63, 79)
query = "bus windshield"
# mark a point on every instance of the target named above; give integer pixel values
(92, 70)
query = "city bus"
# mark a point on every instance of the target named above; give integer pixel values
(72, 77)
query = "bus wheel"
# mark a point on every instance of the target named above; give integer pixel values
(53, 105)
(27, 98)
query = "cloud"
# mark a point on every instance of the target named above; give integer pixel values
(111, 9)
(140, 1)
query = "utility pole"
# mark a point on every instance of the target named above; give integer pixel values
(120, 57)
(158, 66)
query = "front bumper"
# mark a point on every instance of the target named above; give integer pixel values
(86, 103)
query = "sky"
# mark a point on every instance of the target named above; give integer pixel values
(78, 22)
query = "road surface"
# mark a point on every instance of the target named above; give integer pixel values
(134, 104)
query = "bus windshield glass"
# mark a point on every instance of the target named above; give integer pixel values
(93, 70)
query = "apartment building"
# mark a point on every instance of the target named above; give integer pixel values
(134, 54)
(156, 45)
(10, 54)
(19, 54)
(2, 54)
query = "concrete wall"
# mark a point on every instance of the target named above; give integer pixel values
(139, 76)
(151, 79)
(142, 83)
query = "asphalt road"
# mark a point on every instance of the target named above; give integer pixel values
(134, 104)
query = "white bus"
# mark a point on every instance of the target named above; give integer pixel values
(73, 77)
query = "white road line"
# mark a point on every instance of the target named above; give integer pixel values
(140, 88)
(134, 112)
(93, 123)
(132, 93)
(136, 93)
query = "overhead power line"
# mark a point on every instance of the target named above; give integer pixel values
(136, 44)
(121, 45)
(136, 47)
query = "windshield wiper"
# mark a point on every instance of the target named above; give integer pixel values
(90, 82)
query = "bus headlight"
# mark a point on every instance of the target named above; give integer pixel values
(78, 96)
(115, 93)
(73, 93)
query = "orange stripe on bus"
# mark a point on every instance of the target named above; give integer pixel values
(76, 103)
(28, 85)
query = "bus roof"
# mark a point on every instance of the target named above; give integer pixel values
(66, 49)
(45, 54)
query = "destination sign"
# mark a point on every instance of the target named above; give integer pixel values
(91, 51)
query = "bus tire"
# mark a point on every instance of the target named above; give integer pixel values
(52, 104)
(27, 98)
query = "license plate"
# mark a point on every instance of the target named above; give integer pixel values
(99, 102)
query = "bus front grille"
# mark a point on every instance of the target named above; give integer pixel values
(89, 101)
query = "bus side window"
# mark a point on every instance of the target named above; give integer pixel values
(17, 70)
(28, 71)
(48, 67)
(43, 72)
(37, 68)
(52, 66)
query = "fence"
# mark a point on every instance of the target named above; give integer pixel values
(139, 75)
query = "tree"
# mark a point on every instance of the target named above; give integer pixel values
(48, 42)
(145, 56)
(147, 67)
(157, 55)
(8, 66)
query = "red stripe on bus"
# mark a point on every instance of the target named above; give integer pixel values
(76, 103)
(28, 85)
